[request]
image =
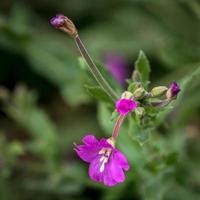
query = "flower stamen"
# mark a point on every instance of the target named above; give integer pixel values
(104, 158)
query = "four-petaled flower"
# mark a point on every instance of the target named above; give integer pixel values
(124, 106)
(107, 164)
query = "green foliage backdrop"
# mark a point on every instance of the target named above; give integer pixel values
(49, 100)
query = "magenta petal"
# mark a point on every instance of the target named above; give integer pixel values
(108, 179)
(89, 150)
(121, 160)
(175, 88)
(87, 153)
(94, 170)
(114, 173)
(124, 106)
(103, 143)
(90, 140)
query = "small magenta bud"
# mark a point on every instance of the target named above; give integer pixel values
(65, 24)
(124, 106)
(173, 90)
(158, 91)
(58, 21)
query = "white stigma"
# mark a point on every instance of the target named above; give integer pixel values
(104, 158)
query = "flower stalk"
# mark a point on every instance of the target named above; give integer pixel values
(66, 25)
(94, 70)
(117, 127)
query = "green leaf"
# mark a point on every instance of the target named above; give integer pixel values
(132, 86)
(82, 63)
(171, 158)
(104, 115)
(114, 115)
(23, 109)
(143, 67)
(138, 133)
(98, 93)
(187, 81)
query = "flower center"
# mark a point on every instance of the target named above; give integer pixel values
(104, 158)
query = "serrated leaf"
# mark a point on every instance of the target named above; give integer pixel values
(143, 67)
(98, 93)
(138, 133)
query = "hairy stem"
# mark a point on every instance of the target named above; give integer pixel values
(94, 70)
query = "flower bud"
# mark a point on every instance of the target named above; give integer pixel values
(158, 91)
(139, 93)
(65, 24)
(124, 106)
(173, 90)
(127, 95)
(58, 21)
(139, 111)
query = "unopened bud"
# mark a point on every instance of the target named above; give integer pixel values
(139, 111)
(139, 93)
(127, 95)
(65, 24)
(158, 91)
(173, 90)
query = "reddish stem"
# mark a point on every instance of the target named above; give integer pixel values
(117, 126)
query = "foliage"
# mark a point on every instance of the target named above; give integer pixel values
(56, 104)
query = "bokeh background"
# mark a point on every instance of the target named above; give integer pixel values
(45, 106)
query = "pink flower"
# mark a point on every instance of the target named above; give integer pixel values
(124, 106)
(107, 164)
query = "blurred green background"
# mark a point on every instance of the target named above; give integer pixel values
(45, 106)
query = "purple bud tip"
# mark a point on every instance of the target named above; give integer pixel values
(124, 106)
(58, 20)
(174, 88)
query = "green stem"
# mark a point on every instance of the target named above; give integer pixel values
(94, 70)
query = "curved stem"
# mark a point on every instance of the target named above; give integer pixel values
(94, 70)
(117, 126)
